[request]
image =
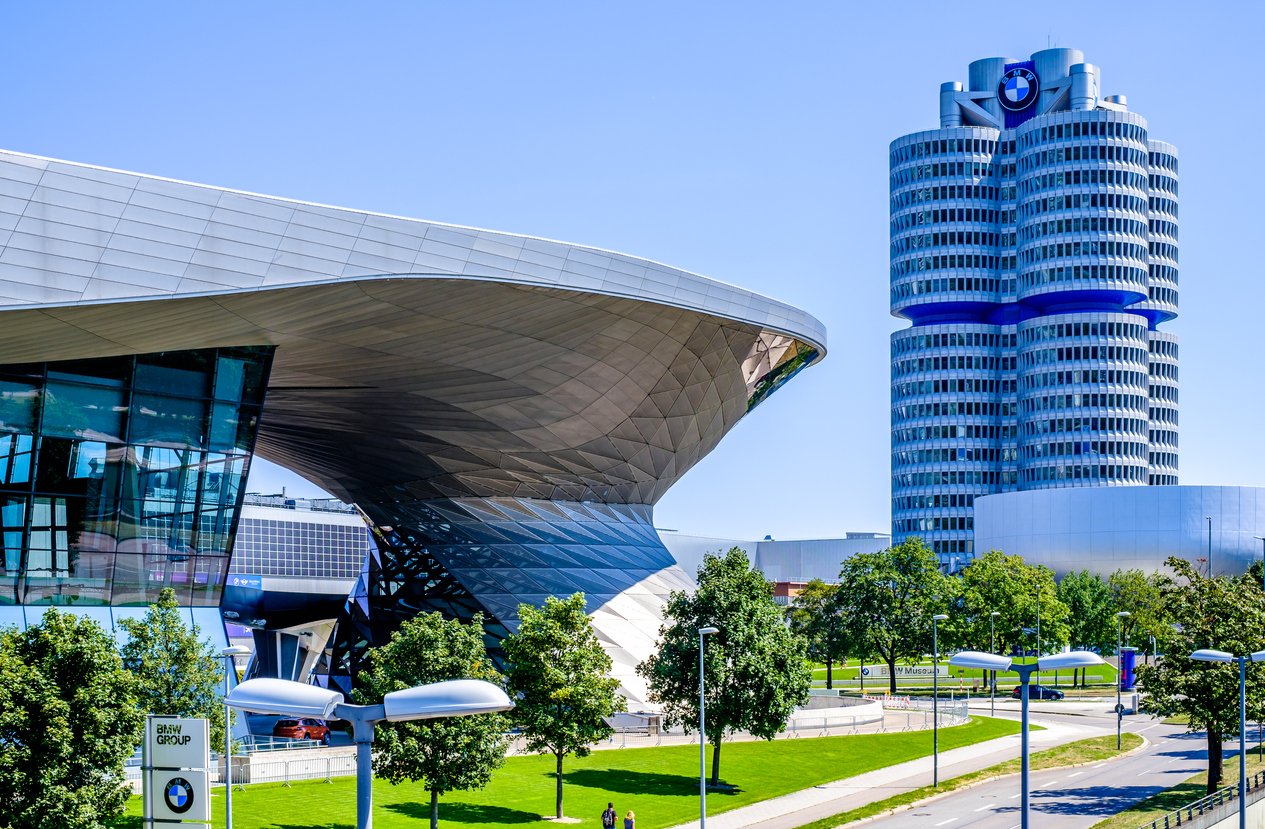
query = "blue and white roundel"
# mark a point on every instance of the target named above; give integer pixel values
(1018, 89)
(178, 794)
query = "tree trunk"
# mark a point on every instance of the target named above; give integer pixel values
(891, 674)
(1214, 761)
(559, 776)
(716, 762)
(829, 674)
(434, 809)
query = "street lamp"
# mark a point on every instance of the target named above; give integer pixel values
(1208, 518)
(702, 732)
(992, 648)
(230, 668)
(452, 698)
(1261, 538)
(1209, 655)
(1120, 617)
(994, 662)
(935, 698)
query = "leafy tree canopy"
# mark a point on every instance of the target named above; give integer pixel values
(69, 719)
(559, 677)
(1225, 614)
(1091, 611)
(888, 598)
(446, 754)
(1015, 590)
(177, 671)
(1142, 594)
(756, 669)
(814, 614)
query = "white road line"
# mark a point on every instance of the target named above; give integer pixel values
(1149, 727)
(1147, 771)
(945, 822)
(989, 806)
(1100, 765)
(1076, 774)
(1012, 797)
(1048, 785)
(1174, 760)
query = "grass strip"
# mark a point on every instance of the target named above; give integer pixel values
(1185, 792)
(659, 784)
(1092, 750)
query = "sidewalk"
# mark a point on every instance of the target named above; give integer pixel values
(805, 806)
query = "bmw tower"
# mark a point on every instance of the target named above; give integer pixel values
(1034, 253)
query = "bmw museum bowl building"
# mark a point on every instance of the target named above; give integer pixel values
(505, 411)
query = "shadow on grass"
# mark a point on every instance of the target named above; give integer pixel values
(624, 781)
(464, 813)
(314, 826)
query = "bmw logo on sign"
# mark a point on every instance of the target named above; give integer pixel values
(1018, 89)
(178, 793)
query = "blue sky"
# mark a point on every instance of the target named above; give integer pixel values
(747, 142)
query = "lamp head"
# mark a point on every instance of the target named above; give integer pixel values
(1210, 655)
(708, 631)
(283, 696)
(452, 698)
(995, 613)
(980, 660)
(1071, 659)
(940, 617)
(236, 650)
(1124, 614)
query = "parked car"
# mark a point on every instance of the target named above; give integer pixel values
(1039, 692)
(302, 729)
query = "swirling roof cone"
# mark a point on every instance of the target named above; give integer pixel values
(414, 359)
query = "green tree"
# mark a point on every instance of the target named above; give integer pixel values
(1223, 613)
(177, 671)
(888, 598)
(1142, 595)
(68, 720)
(1091, 612)
(814, 614)
(559, 677)
(445, 754)
(1015, 590)
(756, 669)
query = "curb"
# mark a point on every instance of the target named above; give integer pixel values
(904, 807)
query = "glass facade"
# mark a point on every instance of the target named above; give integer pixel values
(122, 476)
(488, 555)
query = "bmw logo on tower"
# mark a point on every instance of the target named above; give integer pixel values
(1018, 89)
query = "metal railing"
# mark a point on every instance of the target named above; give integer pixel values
(1205, 805)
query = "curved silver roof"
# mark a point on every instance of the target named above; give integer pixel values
(413, 360)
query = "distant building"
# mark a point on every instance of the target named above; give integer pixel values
(1034, 252)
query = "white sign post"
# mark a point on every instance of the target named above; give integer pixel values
(176, 759)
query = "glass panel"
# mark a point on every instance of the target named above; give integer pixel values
(211, 626)
(233, 427)
(12, 531)
(168, 421)
(230, 378)
(107, 371)
(138, 579)
(85, 580)
(13, 617)
(18, 402)
(16, 454)
(184, 373)
(208, 580)
(84, 411)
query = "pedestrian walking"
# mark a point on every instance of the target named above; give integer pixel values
(630, 820)
(609, 817)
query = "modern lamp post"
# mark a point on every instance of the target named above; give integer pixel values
(1261, 538)
(452, 698)
(992, 648)
(935, 698)
(994, 662)
(1208, 518)
(1209, 655)
(702, 732)
(230, 668)
(1120, 617)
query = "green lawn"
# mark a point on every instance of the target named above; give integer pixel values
(849, 676)
(660, 784)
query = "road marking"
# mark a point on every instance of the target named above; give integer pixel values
(1076, 774)
(1100, 765)
(989, 806)
(1012, 797)
(1048, 785)
(1147, 771)
(1149, 727)
(945, 822)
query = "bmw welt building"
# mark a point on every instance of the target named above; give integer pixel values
(504, 410)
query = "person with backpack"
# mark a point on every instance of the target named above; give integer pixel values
(609, 817)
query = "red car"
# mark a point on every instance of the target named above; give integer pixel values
(304, 729)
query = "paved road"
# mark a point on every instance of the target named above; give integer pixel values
(1070, 798)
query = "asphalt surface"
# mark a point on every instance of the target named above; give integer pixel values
(1071, 798)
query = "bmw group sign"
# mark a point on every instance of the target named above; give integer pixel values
(176, 759)
(1018, 89)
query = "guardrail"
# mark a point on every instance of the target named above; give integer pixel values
(1201, 807)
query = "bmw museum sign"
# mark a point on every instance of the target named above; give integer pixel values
(177, 755)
